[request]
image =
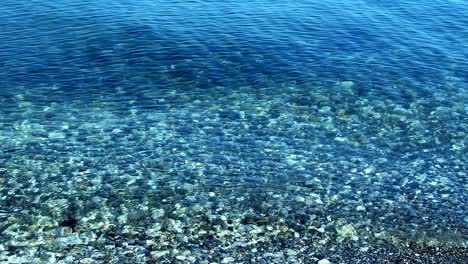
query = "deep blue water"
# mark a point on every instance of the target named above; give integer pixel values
(339, 112)
(391, 49)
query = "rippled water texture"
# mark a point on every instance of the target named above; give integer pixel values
(233, 131)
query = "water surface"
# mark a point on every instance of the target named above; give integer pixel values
(235, 131)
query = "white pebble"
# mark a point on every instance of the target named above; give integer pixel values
(369, 170)
(360, 208)
(300, 199)
(56, 135)
(228, 260)
(346, 84)
(341, 139)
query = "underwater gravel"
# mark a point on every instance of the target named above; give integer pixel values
(302, 175)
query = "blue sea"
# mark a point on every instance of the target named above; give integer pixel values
(258, 131)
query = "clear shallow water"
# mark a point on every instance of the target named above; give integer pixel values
(252, 130)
